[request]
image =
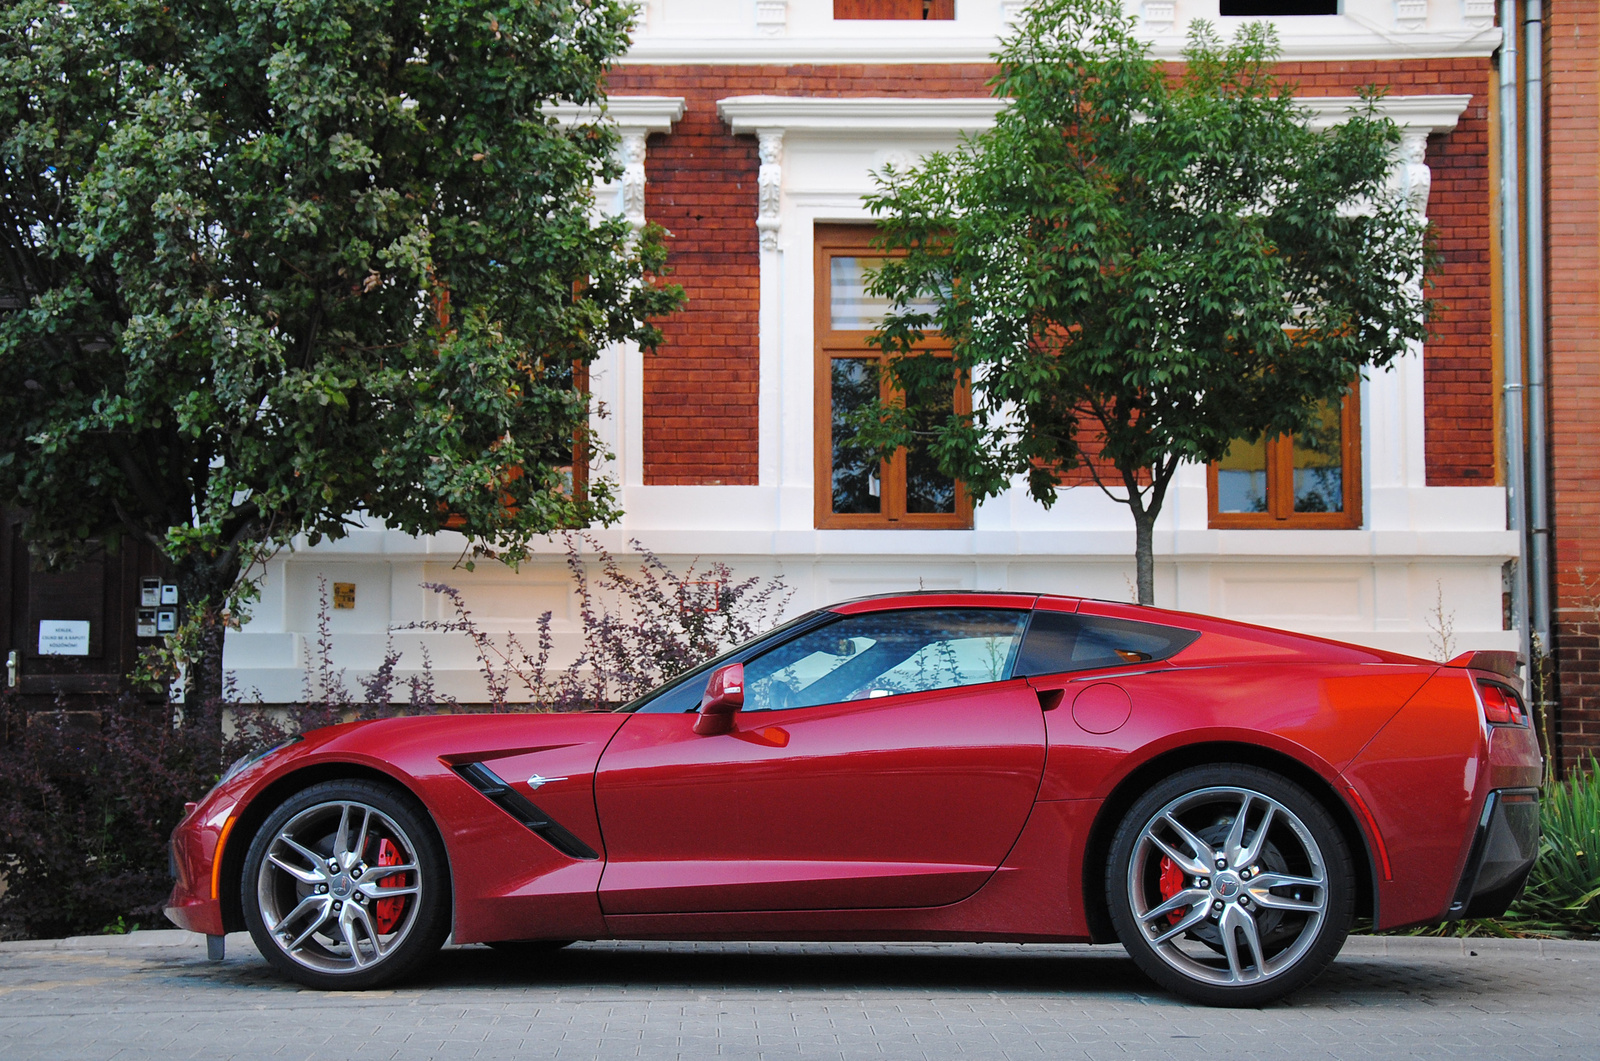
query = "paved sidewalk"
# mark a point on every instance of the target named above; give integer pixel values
(153, 995)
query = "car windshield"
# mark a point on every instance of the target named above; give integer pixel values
(665, 697)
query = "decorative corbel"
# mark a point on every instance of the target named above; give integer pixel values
(632, 159)
(772, 17)
(1410, 15)
(769, 185)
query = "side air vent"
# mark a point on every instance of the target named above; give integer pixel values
(521, 808)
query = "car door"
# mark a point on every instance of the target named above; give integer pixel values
(884, 759)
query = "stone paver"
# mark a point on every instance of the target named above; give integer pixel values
(154, 995)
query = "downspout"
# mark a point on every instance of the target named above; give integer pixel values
(1538, 453)
(1511, 320)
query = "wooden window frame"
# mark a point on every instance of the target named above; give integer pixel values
(1280, 514)
(902, 10)
(854, 240)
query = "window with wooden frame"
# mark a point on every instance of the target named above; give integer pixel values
(913, 10)
(852, 489)
(1308, 480)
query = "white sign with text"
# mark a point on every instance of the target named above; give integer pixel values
(63, 637)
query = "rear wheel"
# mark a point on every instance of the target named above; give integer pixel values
(1230, 885)
(346, 886)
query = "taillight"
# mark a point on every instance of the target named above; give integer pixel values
(1501, 706)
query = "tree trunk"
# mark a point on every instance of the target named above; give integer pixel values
(1144, 526)
(205, 584)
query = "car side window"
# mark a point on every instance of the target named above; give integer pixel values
(1059, 642)
(880, 654)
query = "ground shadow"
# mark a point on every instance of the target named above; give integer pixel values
(1101, 973)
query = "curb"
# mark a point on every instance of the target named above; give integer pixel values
(144, 938)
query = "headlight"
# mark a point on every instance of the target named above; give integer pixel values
(244, 763)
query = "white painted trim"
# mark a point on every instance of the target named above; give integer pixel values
(753, 51)
(1436, 114)
(647, 114)
(843, 116)
(862, 114)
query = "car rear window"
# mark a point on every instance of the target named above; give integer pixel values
(1058, 642)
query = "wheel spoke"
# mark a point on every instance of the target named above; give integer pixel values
(376, 891)
(371, 931)
(341, 840)
(304, 876)
(1191, 919)
(1261, 891)
(1233, 846)
(1185, 862)
(304, 851)
(1188, 897)
(1201, 849)
(1234, 921)
(348, 930)
(361, 841)
(1249, 856)
(321, 920)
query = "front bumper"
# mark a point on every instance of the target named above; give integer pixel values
(1504, 848)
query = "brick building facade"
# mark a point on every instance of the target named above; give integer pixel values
(1572, 196)
(750, 131)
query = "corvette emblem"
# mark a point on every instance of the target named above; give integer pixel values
(535, 781)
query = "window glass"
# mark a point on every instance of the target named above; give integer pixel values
(1319, 464)
(850, 308)
(857, 485)
(685, 692)
(1242, 477)
(1058, 642)
(863, 657)
(927, 489)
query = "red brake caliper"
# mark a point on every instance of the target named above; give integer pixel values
(388, 911)
(1172, 881)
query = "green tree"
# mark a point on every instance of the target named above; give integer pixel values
(268, 263)
(1137, 265)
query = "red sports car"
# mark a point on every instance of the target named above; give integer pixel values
(1224, 800)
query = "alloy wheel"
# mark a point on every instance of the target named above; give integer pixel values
(340, 887)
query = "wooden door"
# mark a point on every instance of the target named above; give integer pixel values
(68, 636)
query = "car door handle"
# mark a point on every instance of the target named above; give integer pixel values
(1050, 699)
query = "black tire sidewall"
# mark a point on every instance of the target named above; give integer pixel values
(1341, 887)
(432, 924)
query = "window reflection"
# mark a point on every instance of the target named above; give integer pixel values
(856, 475)
(1319, 464)
(928, 489)
(865, 657)
(1242, 477)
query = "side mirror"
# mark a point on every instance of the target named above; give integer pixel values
(724, 695)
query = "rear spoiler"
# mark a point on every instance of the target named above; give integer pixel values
(1500, 662)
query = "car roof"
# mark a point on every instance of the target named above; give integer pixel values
(1230, 639)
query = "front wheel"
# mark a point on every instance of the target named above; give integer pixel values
(1230, 885)
(346, 886)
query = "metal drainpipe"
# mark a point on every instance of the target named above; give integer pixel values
(1511, 318)
(1538, 462)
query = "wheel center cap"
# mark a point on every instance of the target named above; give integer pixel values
(340, 885)
(1227, 885)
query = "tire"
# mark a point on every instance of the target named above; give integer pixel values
(353, 926)
(1250, 932)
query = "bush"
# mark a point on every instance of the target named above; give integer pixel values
(89, 798)
(638, 630)
(1563, 893)
(87, 801)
